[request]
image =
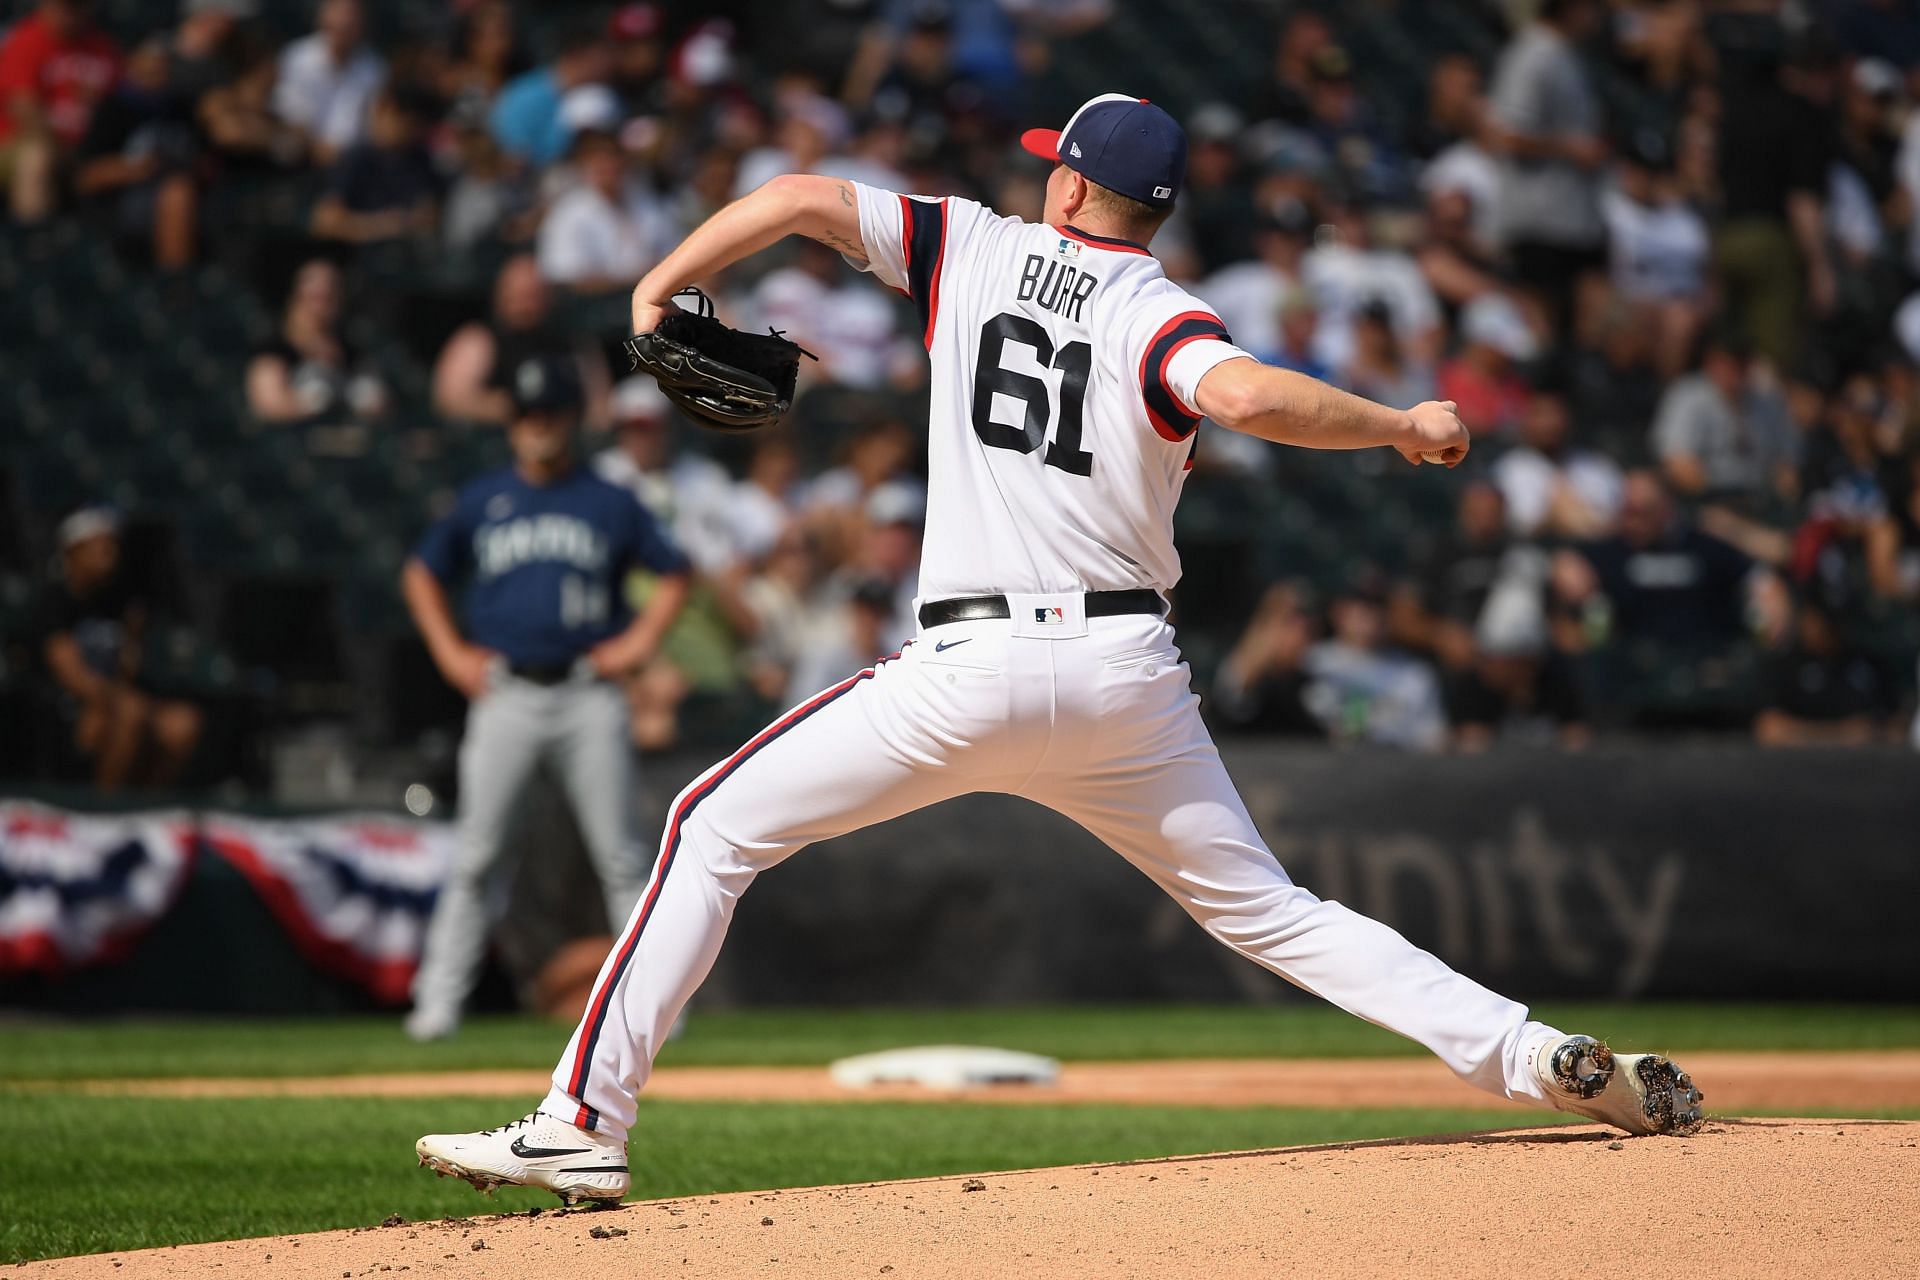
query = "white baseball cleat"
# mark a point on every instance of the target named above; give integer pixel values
(534, 1151)
(1642, 1093)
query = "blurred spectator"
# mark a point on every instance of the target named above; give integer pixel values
(1299, 321)
(55, 64)
(1822, 691)
(1346, 270)
(635, 31)
(911, 59)
(241, 124)
(384, 188)
(1362, 691)
(1217, 199)
(1864, 201)
(1660, 588)
(1456, 108)
(527, 118)
(855, 634)
(847, 323)
(1716, 436)
(1477, 605)
(688, 495)
(1364, 158)
(1248, 295)
(1262, 684)
(763, 502)
(310, 371)
(141, 152)
(1548, 132)
(1851, 536)
(1482, 379)
(878, 453)
(1613, 385)
(607, 231)
(93, 627)
(1458, 264)
(470, 377)
(786, 612)
(1303, 36)
(1769, 247)
(328, 80)
(1437, 608)
(203, 52)
(811, 132)
(1380, 369)
(492, 196)
(485, 55)
(1553, 489)
(1659, 249)
(1517, 682)
(887, 557)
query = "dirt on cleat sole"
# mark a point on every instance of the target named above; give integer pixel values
(485, 1183)
(1672, 1102)
(482, 1182)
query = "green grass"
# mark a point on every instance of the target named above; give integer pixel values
(140, 1172)
(44, 1050)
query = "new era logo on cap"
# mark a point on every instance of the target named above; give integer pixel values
(1124, 144)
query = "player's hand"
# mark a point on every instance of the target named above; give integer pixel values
(646, 315)
(469, 668)
(616, 659)
(1435, 434)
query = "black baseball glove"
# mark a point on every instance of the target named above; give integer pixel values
(720, 377)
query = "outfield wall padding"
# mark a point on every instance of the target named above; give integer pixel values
(1646, 872)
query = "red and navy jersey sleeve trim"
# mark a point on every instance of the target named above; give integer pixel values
(924, 234)
(1170, 418)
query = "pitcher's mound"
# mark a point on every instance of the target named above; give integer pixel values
(1742, 1198)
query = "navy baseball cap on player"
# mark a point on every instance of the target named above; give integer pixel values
(1124, 144)
(543, 383)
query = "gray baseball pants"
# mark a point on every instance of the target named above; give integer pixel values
(578, 729)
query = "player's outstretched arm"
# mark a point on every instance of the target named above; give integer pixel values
(822, 209)
(1292, 408)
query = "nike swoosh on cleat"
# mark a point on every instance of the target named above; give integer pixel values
(525, 1152)
(944, 645)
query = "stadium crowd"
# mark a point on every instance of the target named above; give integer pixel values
(1662, 253)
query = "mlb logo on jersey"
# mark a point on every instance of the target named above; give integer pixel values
(1068, 249)
(1052, 616)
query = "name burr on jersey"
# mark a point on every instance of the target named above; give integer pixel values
(1059, 286)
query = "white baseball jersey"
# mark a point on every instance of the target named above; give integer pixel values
(1064, 369)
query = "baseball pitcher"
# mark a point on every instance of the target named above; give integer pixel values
(1069, 377)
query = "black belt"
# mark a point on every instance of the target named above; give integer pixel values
(1099, 604)
(536, 673)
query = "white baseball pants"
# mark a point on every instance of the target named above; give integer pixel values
(1093, 718)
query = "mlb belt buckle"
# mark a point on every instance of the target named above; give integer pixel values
(1059, 616)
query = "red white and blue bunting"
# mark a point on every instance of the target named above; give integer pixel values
(80, 889)
(354, 891)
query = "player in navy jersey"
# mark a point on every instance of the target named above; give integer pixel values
(542, 550)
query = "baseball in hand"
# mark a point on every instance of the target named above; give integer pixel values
(1438, 459)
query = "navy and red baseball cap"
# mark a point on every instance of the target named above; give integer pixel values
(1124, 144)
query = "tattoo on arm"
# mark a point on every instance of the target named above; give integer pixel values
(846, 195)
(833, 240)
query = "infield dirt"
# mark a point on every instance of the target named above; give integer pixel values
(1742, 1198)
